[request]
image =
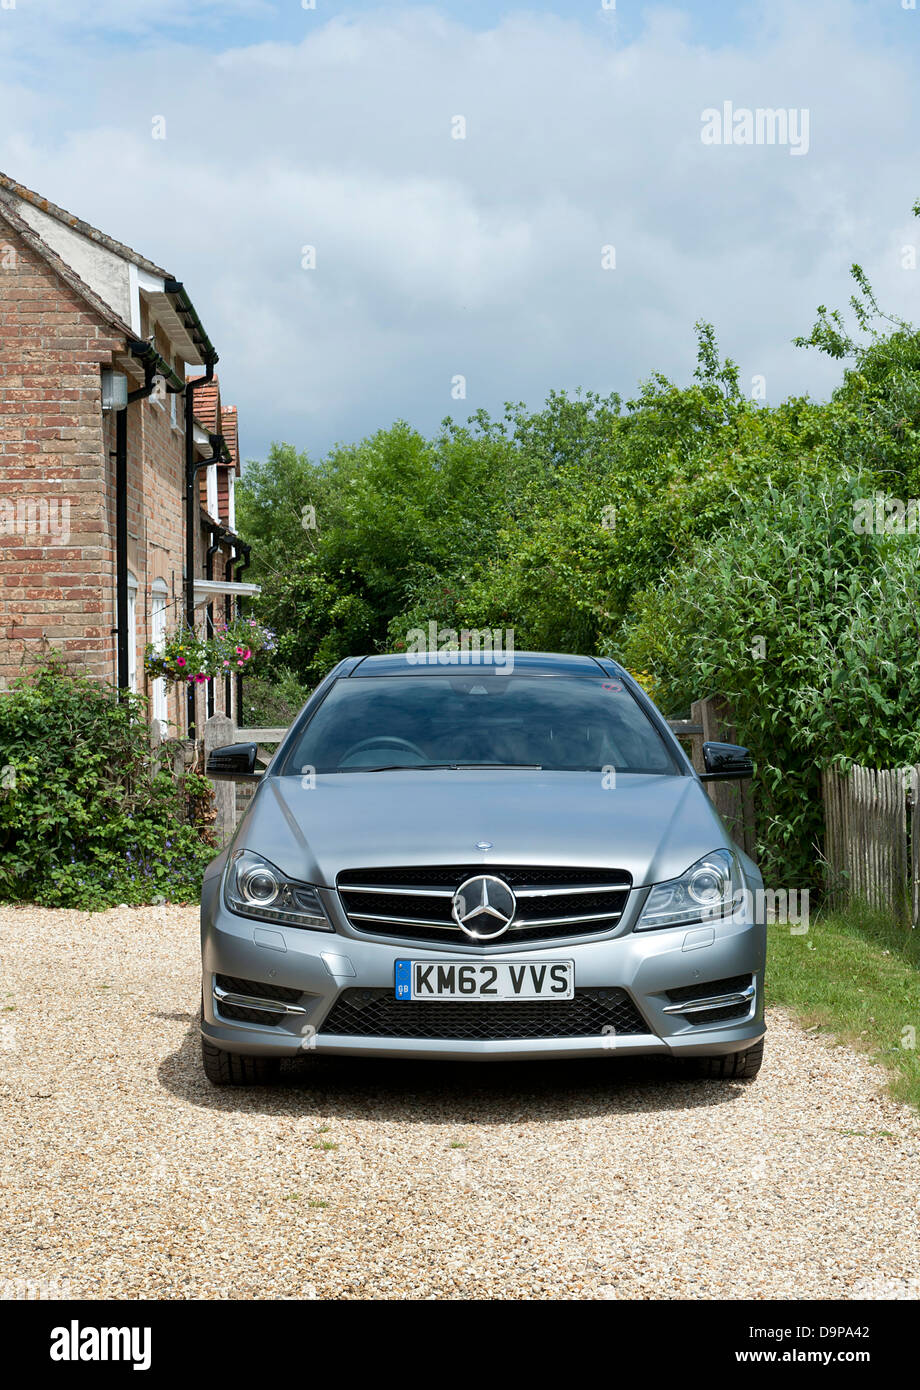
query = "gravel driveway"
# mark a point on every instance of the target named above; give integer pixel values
(126, 1174)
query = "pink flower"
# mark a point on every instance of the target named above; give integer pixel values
(247, 654)
(180, 660)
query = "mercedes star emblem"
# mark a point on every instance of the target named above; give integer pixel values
(483, 907)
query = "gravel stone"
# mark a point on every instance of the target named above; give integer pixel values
(125, 1175)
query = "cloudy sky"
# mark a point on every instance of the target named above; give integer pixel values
(436, 257)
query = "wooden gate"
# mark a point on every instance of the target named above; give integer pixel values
(872, 838)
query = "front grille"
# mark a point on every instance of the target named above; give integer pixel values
(415, 903)
(688, 994)
(238, 1013)
(375, 1013)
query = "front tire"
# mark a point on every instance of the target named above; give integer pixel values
(730, 1066)
(235, 1069)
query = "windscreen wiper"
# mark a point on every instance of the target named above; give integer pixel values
(433, 767)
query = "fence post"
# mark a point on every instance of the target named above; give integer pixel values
(218, 732)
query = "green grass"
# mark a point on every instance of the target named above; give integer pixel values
(855, 974)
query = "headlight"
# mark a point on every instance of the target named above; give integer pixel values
(711, 888)
(255, 888)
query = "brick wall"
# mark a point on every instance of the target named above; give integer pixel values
(56, 539)
(57, 485)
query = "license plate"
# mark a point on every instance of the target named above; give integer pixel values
(485, 980)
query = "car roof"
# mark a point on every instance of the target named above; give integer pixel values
(527, 663)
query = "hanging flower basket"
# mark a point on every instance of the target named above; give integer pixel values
(186, 656)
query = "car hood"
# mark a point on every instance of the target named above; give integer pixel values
(652, 827)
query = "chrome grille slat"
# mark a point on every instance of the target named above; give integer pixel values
(620, 887)
(400, 921)
(415, 902)
(406, 892)
(559, 921)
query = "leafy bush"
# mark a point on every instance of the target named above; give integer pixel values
(86, 819)
(273, 701)
(839, 680)
(546, 521)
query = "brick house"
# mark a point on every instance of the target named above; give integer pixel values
(117, 459)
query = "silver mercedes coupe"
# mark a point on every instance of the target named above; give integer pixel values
(460, 859)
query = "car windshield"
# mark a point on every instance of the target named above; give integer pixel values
(556, 723)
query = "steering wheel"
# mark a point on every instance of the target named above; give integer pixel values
(384, 741)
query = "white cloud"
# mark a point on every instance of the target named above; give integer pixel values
(480, 256)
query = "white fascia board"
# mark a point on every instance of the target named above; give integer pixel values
(207, 588)
(153, 284)
(135, 298)
(141, 280)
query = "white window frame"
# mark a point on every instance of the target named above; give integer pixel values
(231, 499)
(159, 597)
(212, 491)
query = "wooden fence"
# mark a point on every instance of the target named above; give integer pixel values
(872, 838)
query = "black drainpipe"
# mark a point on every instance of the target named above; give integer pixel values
(121, 546)
(209, 574)
(228, 614)
(191, 517)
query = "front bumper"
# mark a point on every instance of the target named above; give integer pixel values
(649, 966)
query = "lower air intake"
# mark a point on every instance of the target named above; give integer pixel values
(375, 1013)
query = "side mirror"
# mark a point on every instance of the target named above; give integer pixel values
(724, 761)
(236, 762)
